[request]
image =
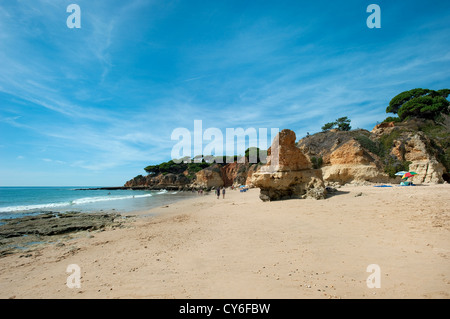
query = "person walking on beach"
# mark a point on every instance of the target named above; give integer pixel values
(218, 192)
(223, 193)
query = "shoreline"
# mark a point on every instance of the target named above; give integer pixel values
(241, 247)
(124, 202)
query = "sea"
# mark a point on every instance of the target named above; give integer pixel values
(22, 201)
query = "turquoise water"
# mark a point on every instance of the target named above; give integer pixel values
(19, 201)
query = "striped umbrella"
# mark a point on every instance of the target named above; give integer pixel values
(408, 174)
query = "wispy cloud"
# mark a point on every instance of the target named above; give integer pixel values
(107, 96)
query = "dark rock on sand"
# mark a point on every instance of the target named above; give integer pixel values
(21, 232)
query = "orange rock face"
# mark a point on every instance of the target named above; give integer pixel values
(230, 172)
(209, 177)
(383, 128)
(284, 155)
(348, 153)
(288, 172)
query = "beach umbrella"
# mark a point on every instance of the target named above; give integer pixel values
(409, 174)
(401, 173)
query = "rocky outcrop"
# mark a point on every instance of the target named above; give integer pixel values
(284, 156)
(209, 177)
(353, 173)
(251, 170)
(416, 148)
(286, 185)
(360, 155)
(216, 175)
(343, 158)
(428, 171)
(350, 152)
(18, 233)
(288, 172)
(383, 128)
(161, 181)
(138, 181)
(236, 174)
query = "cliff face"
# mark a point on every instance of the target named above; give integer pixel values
(288, 172)
(167, 181)
(343, 158)
(417, 148)
(209, 177)
(331, 157)
(217, 175)
(375, 156)
(422, 143)
(235, 174)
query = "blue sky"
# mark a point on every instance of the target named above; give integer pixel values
(93, 106)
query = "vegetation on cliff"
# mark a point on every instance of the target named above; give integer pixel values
(342, 124)
(426, 111)
(422, 103)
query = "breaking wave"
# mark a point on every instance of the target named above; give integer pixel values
(81, 201)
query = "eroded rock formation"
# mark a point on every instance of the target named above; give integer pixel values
(343, 158)
(416, 148)
(209, 177)
(288, 172)
(363, 156)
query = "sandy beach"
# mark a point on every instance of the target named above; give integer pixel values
(241, 247)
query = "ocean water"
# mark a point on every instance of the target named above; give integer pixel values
(20, 201)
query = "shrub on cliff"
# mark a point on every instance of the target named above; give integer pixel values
(440, 140)
(175, 168)
(328, 126)
(342, 124)
(392, 119)
(196, 167)
(372, 146)
(316, 162)
(392, 165)
(166, 167)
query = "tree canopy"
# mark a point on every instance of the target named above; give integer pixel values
(423, 103)
(342, 124)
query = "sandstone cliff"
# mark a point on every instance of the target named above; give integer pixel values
(216, 175)
(160, 181)
(332, 157)
(375, 156)
(343, 158)
(288, 172)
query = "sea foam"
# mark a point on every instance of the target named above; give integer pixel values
(80, 201)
